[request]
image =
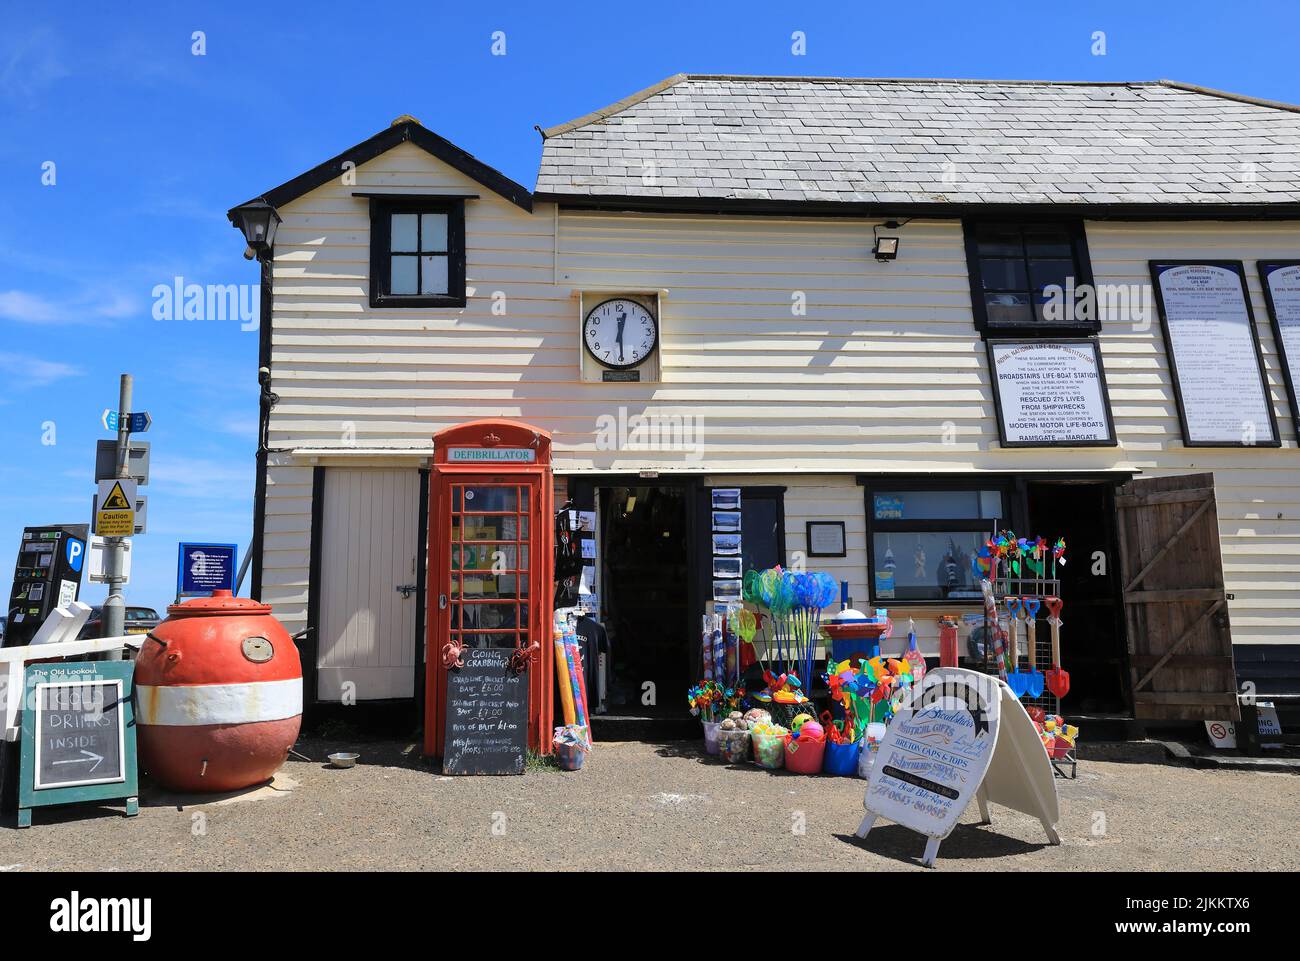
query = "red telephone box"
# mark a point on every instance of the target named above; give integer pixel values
(491, 558)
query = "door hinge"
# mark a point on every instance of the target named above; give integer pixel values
(406, 590)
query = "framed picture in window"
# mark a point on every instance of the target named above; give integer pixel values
(826, 539)
(1215, 359)
(1050, 393)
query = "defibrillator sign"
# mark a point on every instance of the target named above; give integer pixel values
(115, 508)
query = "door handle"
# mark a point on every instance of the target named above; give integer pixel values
(442, 602)
(406, 590)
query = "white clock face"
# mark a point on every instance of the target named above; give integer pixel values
(620, 333)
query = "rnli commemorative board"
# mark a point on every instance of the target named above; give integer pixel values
(1051, 393)
(486, 730)
(78, 736)
(1281, 282)
(959, 735)
(1215, 360)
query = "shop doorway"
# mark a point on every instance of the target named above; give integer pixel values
(1093, 648)
(645, 598)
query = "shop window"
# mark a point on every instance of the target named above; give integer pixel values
(762, 542)
(924, 538)
(1013, 269)
(417, 252)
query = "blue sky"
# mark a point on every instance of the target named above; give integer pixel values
(152, 144)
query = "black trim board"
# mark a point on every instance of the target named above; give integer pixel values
(309, 649)
(937, 210)
(1266, 268)
(408, 131)
(1156, 268)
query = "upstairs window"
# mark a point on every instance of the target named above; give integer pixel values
(1029, 278)
(417, 252)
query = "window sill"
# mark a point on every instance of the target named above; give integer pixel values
(416, 301)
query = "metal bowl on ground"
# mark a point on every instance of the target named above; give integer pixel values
(343, 758)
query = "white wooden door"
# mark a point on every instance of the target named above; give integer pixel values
(368, 545)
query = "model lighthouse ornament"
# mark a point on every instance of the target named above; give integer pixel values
(620, 333)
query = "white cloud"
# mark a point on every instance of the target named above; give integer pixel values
(35, 371)
(197, 477)
(91, 307)
(29, 64)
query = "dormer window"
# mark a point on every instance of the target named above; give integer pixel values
(417, 252)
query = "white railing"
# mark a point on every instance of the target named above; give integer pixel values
(55, 639)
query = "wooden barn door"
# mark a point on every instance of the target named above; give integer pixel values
(1180, 646)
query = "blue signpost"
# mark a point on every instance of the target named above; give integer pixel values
(204, 568)
(136, 422)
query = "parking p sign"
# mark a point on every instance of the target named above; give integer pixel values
(204, 568)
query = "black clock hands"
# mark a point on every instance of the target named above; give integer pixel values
(622, 319)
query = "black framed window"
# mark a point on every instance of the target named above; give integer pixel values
(923, 535)
(1013, 269)
(417, 252)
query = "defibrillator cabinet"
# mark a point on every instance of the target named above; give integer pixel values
(491, 557)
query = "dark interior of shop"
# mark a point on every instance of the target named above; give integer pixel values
(1093, 648)
(644, 597)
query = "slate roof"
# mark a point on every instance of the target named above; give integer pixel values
(827, 140)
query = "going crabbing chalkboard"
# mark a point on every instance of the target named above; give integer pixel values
(487, 714)
(78, 736)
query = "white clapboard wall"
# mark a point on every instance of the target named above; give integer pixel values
(805, 357)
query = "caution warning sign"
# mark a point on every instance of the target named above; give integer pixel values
(115, 508)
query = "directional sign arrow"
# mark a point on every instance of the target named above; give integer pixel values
(140, 422)
(90, 756)
(109, 419)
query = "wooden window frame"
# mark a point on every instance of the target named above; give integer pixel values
(1034, 328)
(381, 211)
(960, 482)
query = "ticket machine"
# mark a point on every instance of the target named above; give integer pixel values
(48, 573)
(491, 557)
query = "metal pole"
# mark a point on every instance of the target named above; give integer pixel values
(114, 619)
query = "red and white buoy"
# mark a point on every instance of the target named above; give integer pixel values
(219, 695)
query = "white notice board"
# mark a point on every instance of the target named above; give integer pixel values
(1051, 393)
(1215, 359)
(1281, 282)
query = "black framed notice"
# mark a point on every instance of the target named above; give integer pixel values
(1281, 282)
(1215, 359)
(1051, 393)
(826, 539)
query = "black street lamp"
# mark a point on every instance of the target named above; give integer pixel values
(258, 220)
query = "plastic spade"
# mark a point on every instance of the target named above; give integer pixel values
(1035, 683)
(1016, 680)
(1058, 681)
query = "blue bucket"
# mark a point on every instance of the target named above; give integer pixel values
(841, 760)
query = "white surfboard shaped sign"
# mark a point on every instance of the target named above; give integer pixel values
(960, 735)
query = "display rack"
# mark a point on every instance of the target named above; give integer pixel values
(1066, 765)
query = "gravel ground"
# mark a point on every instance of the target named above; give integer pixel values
(657, 807)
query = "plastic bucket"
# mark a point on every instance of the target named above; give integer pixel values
(734, 746)
(842, 759)
(870, 747)
(803, 755)
(711, 736)
(769, 750)
(570, 756)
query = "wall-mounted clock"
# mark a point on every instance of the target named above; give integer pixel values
(620, 333)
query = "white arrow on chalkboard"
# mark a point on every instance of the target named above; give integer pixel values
(90, 756)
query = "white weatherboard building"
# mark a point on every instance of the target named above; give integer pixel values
(814, 281)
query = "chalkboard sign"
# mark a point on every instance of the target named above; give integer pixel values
(78, 736)
(487, 714)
